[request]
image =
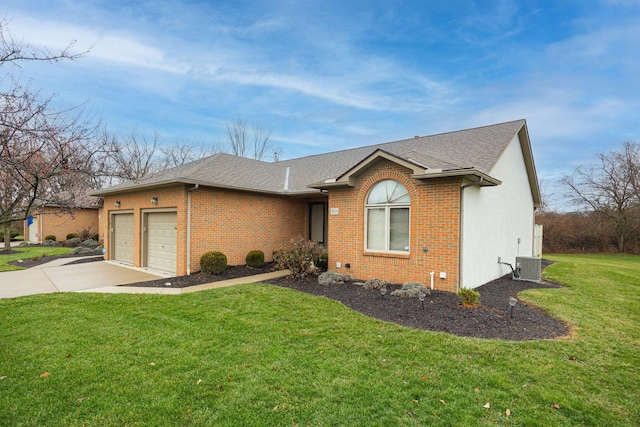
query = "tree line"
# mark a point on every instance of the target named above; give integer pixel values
(606, 195)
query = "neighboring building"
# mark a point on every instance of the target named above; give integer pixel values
(451, 204)
(50, 220)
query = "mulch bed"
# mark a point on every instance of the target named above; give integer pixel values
(442, 310)
(33, 262)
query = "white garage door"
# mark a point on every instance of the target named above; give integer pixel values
(161, 241)
(122, 229)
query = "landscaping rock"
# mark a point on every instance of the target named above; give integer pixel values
(375, 284)
(73, 242)
(51, 243)
(329, 278)
(86, 251)
(90, 243)
(410, 290)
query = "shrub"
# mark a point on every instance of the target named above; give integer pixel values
(50, 237)
(299, 257)
(255, 259)
(13, 233)
(72, 236)
(469, 296)
(213, 262)
(322, 262)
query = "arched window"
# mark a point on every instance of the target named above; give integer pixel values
(387, 217)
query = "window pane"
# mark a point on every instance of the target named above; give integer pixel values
(399, 229)
(378, 193)
(375, 229)
(388, 191)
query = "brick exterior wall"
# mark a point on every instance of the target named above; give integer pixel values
(60, 224)
(236, 222)
(232, 222)
(434, 224)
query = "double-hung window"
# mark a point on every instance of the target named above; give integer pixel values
(387, 211)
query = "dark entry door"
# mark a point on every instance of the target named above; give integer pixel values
(318, 222)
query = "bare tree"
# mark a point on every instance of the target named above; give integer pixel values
(44, 155)
(181, 152)
(608, 188)
(133, 156)
(254, 146)
(16, 52)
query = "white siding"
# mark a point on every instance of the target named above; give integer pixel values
(497, 221)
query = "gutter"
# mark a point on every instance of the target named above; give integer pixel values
(195, 187)
(461, 231)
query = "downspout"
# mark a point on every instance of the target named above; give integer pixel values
(461, 232)
(195, 187)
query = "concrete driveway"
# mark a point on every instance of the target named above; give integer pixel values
(54, 277)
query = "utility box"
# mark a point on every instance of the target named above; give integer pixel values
(530, 268)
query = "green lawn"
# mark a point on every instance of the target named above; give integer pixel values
(29, 253)
(256, 355)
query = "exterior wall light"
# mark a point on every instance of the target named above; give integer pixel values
(154, 200)
(117, 203)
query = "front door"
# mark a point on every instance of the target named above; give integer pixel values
(318, 222)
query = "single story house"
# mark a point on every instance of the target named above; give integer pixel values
(451, 204)
(50, 220)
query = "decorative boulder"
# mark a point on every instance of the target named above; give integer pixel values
(411, 289)
(329, 278)
(375, 284)
(90, 243)
(86, 251)
(73, 242)
(51, 243)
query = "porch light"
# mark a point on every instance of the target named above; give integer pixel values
(421, 297)
(383, 292)
(512, 303)
(117, 203)
(154, 200)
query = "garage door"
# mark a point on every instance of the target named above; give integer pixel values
(123, 238)
(161, 241)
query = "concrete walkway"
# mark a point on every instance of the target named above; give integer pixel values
(101, 277)
(176, 291)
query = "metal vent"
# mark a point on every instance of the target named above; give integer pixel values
(530, 268)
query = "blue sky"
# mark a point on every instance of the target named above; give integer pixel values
(328, 75)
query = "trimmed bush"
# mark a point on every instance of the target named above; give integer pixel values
(468, 296)
(299, 257)
(255, 259)
(213, 262)
(13, 233)
(322, 262)
(50, 237)
(72, 236)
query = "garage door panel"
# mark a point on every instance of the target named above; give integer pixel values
(123, 238)
(161, 241)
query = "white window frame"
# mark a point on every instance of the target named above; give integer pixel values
(388, 207)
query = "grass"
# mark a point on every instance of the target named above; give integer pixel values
(29, 253)
(256, 355)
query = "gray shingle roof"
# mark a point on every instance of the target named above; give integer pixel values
(477, 148)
